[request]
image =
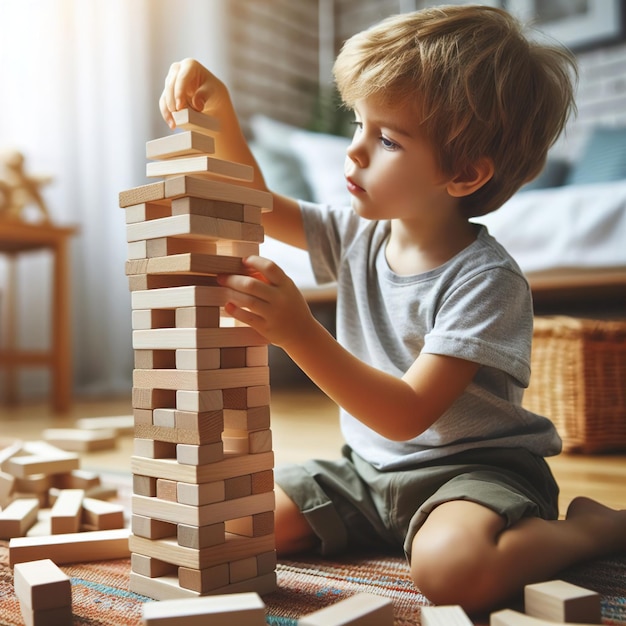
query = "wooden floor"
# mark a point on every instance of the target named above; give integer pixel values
(304, 425)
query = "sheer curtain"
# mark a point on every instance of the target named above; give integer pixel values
(80, 83)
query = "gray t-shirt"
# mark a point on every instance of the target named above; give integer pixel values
(477, 306)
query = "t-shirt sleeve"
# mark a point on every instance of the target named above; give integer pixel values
(486, 319)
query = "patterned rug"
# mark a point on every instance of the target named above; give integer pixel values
(100, 595)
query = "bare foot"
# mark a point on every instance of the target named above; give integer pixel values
(607, 526)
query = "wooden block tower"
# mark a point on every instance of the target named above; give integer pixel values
(203, 488)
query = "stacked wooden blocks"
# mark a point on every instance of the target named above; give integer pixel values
(203, 488)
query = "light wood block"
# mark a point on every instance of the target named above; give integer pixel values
(235, 547)
(253, 525)
(164, 246)
(205, 432)
(176, 297)
(7, 485)
(199, 537)
(155, 359)
(243, 569)
(508, 617)
(237, 487)
(147, 566)
(253, 418)
(190, 119)
(154, 449)
(143, 282)
(163, 417)
(187, 263)
(221, 470)
(66, 513)
(151, 193)
(204, 515)
(78, 440)
(137, 249)
(200, 494)
(58, 616)
(199, 165)
(99, 545)
(147, 211)
(191, 226)
(361, 609)
(188, 205)
(245, 609)
(182, 144)
(42, 584)
(29, 464)
(560, 601)
(144, 485)
(150, 528)
(197, 317)
(266, 562)
(199, 455)
(102, 515)
(143, 319)
(195, 338)
(168, 588)
(205, 580)
(77, 479)
(18, 517)
(209, 400)
(452, 615)
(8, 452)
(200, 380)
(257, 356)
(198, 359)
(260, 482)
(153, 398)
(166, 489)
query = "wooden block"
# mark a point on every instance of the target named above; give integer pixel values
(78, 440)
(198, 359)
(452, 615)
(266, 562)
(155, 359)
(143, 319)
(203, 435)
(18, 517)
(151, 193)
(237, 248)
(196, 338)
(166, 489)
(245, 609)
(154, 449)
(8, 452)
(257, 356)
(237, 487)
(199, 537)
(77, 479)
(560, 601)
(147, 211)
(254, 418)
(153, 398)
(102, 492)
(143, 417)
(147, 566)
(58, 616)
(243, 569)
(252, 525)
(36, 484)
(27, 465)
(187, 143)
(167, 587)
(221, 470)
(137, 249)
(102, 515)
(262, 481)
(199, 455)
(207, 207)
(202, 515)
(252, 442)
(200, 165)
(119, 423)
(198, 317)
(187, 263)
(233, 357)
(200, 380)
(204, 580)
(235, 547)
(164, 246)
(176, 297)
(143, 282)
(66, 513)
(164, 417)
(7, 485)
(203, 493)
(361, 609)
(236, 445)
(150, 528)
(42, 584)
(144, 485)
(209, 400)
(198, 187)
(190, 119)
(508, 617)
(99, 545)
(190, 226)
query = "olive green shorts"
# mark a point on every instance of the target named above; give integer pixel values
(349, 503)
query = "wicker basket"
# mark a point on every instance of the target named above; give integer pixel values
(579, 381)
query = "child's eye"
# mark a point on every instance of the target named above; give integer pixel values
(388, 144)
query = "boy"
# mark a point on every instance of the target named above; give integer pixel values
(454, 111)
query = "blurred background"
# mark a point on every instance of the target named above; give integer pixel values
(80, 81)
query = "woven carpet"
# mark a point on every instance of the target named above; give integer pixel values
(100, 594)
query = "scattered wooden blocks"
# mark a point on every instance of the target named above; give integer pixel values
(242, 609)
(79, 440)
(452, 615)
(560, 601)
(42, 584)
(18, 517)
(508, 617)
(362, 609)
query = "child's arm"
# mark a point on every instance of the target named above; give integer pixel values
(190, 85)
(397, 408)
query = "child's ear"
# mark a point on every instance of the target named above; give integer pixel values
(472, 178)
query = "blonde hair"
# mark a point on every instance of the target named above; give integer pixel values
(481, 88)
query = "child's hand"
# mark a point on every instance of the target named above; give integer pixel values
(268, 300)
(190, 85)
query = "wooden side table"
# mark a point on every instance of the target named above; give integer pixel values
(18, 237)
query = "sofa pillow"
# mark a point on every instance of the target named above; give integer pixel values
(322, 159)
(603, 159)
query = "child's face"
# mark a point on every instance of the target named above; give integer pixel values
(391, 170)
